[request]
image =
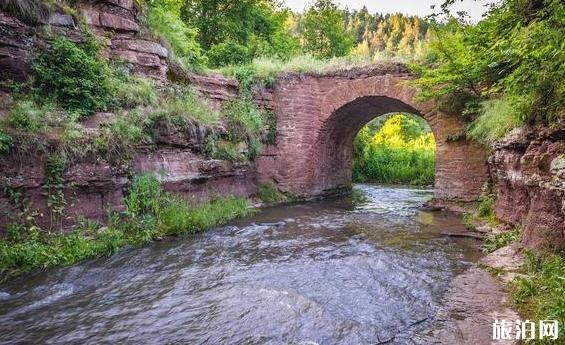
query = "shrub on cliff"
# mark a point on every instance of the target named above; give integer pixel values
(27, 116)
(74, 75)
(179, 106)
(502, 72)
(164, 19)
(245, 123)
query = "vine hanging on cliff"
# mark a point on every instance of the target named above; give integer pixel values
(54, 188)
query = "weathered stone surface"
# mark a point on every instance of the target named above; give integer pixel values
(528, 169)
(138, 58)
(142, 46)
(145, 64)
(192, 136)
(195, 177)
(96, 120)
(318, 117)
(92, 188)
(471, 304)
(126, 4)
(117, 22)
(61, 20)
(91, 16)
(108, 20)
(216, 88)
(16, 41)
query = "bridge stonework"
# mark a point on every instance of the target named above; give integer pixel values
(318, 117)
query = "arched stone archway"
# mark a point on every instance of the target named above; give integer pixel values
(318, 117)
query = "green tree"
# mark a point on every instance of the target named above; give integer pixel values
(236, 31)
(506, 70)
(164, 19)
(324, 33)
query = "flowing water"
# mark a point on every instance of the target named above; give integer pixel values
(362, 270)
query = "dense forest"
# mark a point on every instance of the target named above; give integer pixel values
(221, 33)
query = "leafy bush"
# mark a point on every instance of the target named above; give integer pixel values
(6, 141)
(164, 19)
(28, 116)
(184, 105)
(268, 192)
(228, 53)
(245, 123)
(244, 119)
(486, 207)
(511, 63)
(501, 239)
(144, 196)
(74, 75)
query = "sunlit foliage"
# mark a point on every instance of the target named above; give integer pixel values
(504, 71)
(398, 150)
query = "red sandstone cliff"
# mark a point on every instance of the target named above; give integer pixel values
(93, 185)
(529, 170)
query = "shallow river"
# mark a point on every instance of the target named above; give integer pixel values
(361, 270)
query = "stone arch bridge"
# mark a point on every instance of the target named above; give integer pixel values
(318, 117)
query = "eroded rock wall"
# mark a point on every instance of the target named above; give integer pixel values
(116, 21)
(93, 185)
(529, 170)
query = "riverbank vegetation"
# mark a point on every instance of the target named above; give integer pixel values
(505, 71)
(398, 148)
(538, 289)
(151, 214)
(539, 293)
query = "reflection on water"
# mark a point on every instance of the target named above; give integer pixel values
(333, 272)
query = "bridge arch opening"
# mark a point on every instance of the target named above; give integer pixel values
(338, 134)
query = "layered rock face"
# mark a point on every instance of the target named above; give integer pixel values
(529, 170)
(92, 185)
(115, 20)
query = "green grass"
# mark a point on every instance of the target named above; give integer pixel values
(496, 241)
(183, 105)
(497, 118)
(151, 214)
(398, 151)
(6, 141)
(133, 91)
(540, 293)
(269, 193)
(266, 69)
(26, 115)
(485, 213)
(119, 138)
